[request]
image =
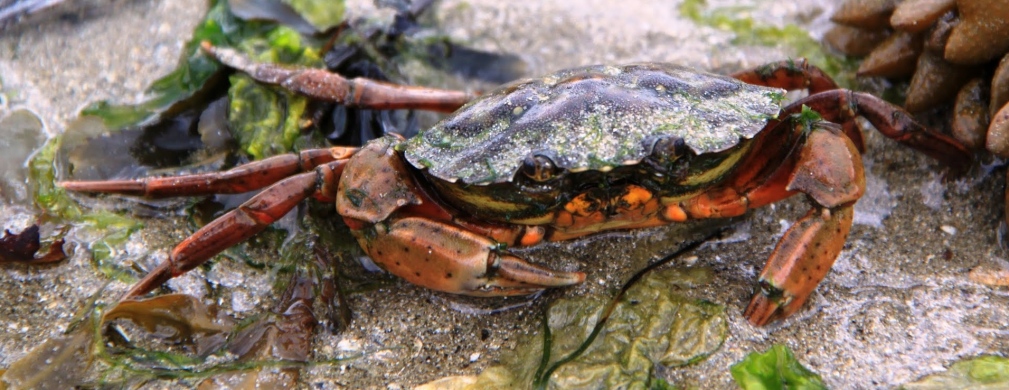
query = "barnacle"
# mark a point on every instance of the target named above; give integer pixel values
(952, 50)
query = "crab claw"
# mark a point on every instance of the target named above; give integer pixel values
(513, 276)
(447, 258)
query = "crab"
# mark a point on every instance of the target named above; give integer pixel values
(560, 157)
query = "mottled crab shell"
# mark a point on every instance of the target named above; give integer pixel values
(591, 118)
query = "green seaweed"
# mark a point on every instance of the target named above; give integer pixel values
(662, 384)
(49, 197)
(264, 121)
(650, 326)
(775, 369)
(113, 230)
(221, 28)
(985, 372)
(322, 14)
(807, 118)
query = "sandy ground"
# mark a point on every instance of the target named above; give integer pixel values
(897, 305)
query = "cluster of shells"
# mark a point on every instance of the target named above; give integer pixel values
(952, 51)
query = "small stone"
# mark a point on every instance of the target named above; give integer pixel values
(990, 274)
(948, 229)
(241, 302)
(690, 260)
(349, 345)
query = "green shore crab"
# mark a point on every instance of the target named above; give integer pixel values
(576, 152)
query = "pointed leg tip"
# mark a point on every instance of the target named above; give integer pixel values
(564, 279)
(154, 279)
(124, 187)
(762, 311)
(78, 186)
(73, 185)
(519, 271)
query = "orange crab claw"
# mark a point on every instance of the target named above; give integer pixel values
(446, 258)
(829, 171)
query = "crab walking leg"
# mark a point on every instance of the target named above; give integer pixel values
(244, 178)
(798, 74)
(357, 92)
(239, 224)
(790, 75)
(842, 106)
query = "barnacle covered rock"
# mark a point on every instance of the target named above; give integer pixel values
(983, 32)
(956, 53)
(950, 49)
(915, 16)
(867, 14)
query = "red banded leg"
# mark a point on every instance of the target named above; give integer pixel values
(285, 191)
(357, 92)
(789, 75)
(843, 106)
(241, 223)
(243, 178)
(798, 74)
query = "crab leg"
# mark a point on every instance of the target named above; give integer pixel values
(788, 74)
(357, 92)
(796, 75)
(842, 106)
(826, 166)
(241, 223)
(244, 178)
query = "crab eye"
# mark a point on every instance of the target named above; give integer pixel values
(539, 168)
(668, 149)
